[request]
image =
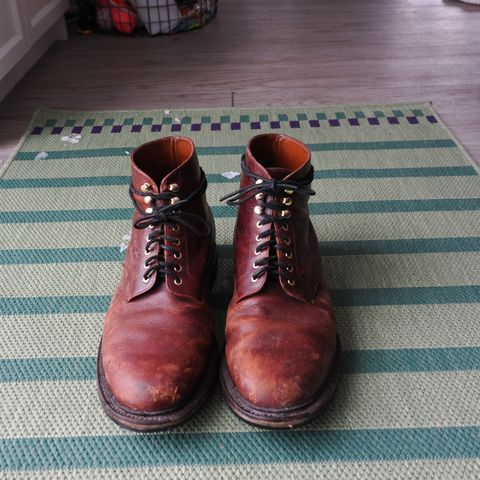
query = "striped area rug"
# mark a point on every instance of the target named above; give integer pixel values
(397, 212)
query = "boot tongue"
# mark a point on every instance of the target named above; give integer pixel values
(278, 173)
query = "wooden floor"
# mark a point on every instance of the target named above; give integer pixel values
(272, 52)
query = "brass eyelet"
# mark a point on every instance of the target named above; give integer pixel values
(288, 254)
(289, 268)
(259, 225)
(147, 251)
(285, 227)
(175, 228)
(149, 210)
(145, 265)
(255, 266)
(286, 214)
(287, 201)
(179, 282)
(173, 187)
(258, 181)
(151, 226)
(254, 280)
(258, 239)
(288, 191)
(147, 199)
(257, 252)
(177, 255)
(176, 242)
(287, 241)
(174, 200)
(291, 282)
(259, 196)
(146, 187)
(258, 210)
(177, 268)
(145, 280)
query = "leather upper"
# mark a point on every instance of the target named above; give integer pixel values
(158, 335)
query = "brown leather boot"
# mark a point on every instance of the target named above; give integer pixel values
(157, 359)
(282, 357)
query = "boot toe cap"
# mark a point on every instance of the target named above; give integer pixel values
(151, 369)
(137, 390)
(272, 379)
(147, 383)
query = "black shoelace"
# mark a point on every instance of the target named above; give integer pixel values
(172, 216)
(275, 196)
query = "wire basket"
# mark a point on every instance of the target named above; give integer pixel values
(151, 16)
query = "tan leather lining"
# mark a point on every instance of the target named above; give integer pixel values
(168, 155)
(279, 151)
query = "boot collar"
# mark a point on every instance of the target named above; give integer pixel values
(296, 157)
(183, 178)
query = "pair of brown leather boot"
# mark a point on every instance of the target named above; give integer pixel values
(157, 361)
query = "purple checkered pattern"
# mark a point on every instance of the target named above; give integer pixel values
(255, 125)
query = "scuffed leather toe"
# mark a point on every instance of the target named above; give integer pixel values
(149, 386)
(275, 368)
(155, 371)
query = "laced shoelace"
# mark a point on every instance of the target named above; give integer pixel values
(275, 196)
(172, 216)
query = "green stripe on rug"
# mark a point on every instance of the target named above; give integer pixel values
(239, 448)
(342, 298)
(352, 247)
(240, 149)
(353, 362)
(223, 211)
(218, 178)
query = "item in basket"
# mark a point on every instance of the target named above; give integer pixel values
(195, 14)
(163, 17)
(104, 19)
(120, 14)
